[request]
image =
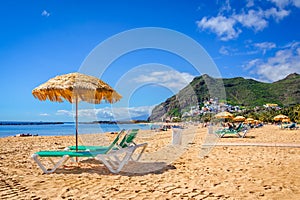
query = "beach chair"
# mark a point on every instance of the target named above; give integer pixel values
(285, 126)
(95, 148)
(240, 131)
(293, 126)
(113, 159)
(128, 140)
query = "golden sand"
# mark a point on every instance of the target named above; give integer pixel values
(227, 172)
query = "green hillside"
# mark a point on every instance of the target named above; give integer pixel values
(238, 91)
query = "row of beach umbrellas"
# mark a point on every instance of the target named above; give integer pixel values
(228, 115)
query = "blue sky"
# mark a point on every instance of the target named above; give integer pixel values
(256, 39)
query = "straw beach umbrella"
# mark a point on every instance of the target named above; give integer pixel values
(76, 87)
(286, 120)
(224, 115)
(249, 120)
(280, 117)
(239, 119)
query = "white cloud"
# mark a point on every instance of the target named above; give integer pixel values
(251, 64)
(108, 113)
(171, 79)
(250, 3)
(226, 6)
(285, 3)
(229, 51)
(125, 113)
(256, 79)
(44, 114)
(65, 112)
(281, 3)
(276, 14)
(264, 46)
(252, 48)
(284, 62)
(220, 25)
(224, 50)
(291, 45)
(228, 27)
(253, 19)
(296, 3)
(45, 13)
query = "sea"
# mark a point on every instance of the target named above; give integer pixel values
(62, 129)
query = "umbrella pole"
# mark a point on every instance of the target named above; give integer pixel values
(76, 119)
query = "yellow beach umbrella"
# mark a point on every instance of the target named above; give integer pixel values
(286, 120)
(256, 121)
(239, 118)
(76, 87)
(249, 120)
(280, 117)
(224, 115)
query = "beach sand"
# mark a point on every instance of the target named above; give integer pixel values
(226, 172)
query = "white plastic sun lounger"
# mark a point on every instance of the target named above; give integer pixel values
(113, 159)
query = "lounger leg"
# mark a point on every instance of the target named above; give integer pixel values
(116, 160)
(144, 145)
(120, 160)
(245, 132)
(47, 171)
(112, 161)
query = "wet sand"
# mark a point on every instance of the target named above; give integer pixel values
(165, 171)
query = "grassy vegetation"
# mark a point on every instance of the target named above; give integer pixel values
(246, 93)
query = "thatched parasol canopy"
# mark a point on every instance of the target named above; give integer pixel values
(76, 86)
(224, 115)
(249, 120)
(239, 118)
(286, 120)
(280, 117)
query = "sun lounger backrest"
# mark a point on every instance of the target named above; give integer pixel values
(94, 148)
(110, 147)
(239, 128)
(129, 137)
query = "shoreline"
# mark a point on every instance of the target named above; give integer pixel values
(11, 123)
(66, 128)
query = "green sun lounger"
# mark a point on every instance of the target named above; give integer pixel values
(113, 159)
(240, 129)
(95, 148)
(293, 126)
(125, 142)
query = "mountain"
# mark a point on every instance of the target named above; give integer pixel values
(235, 91)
